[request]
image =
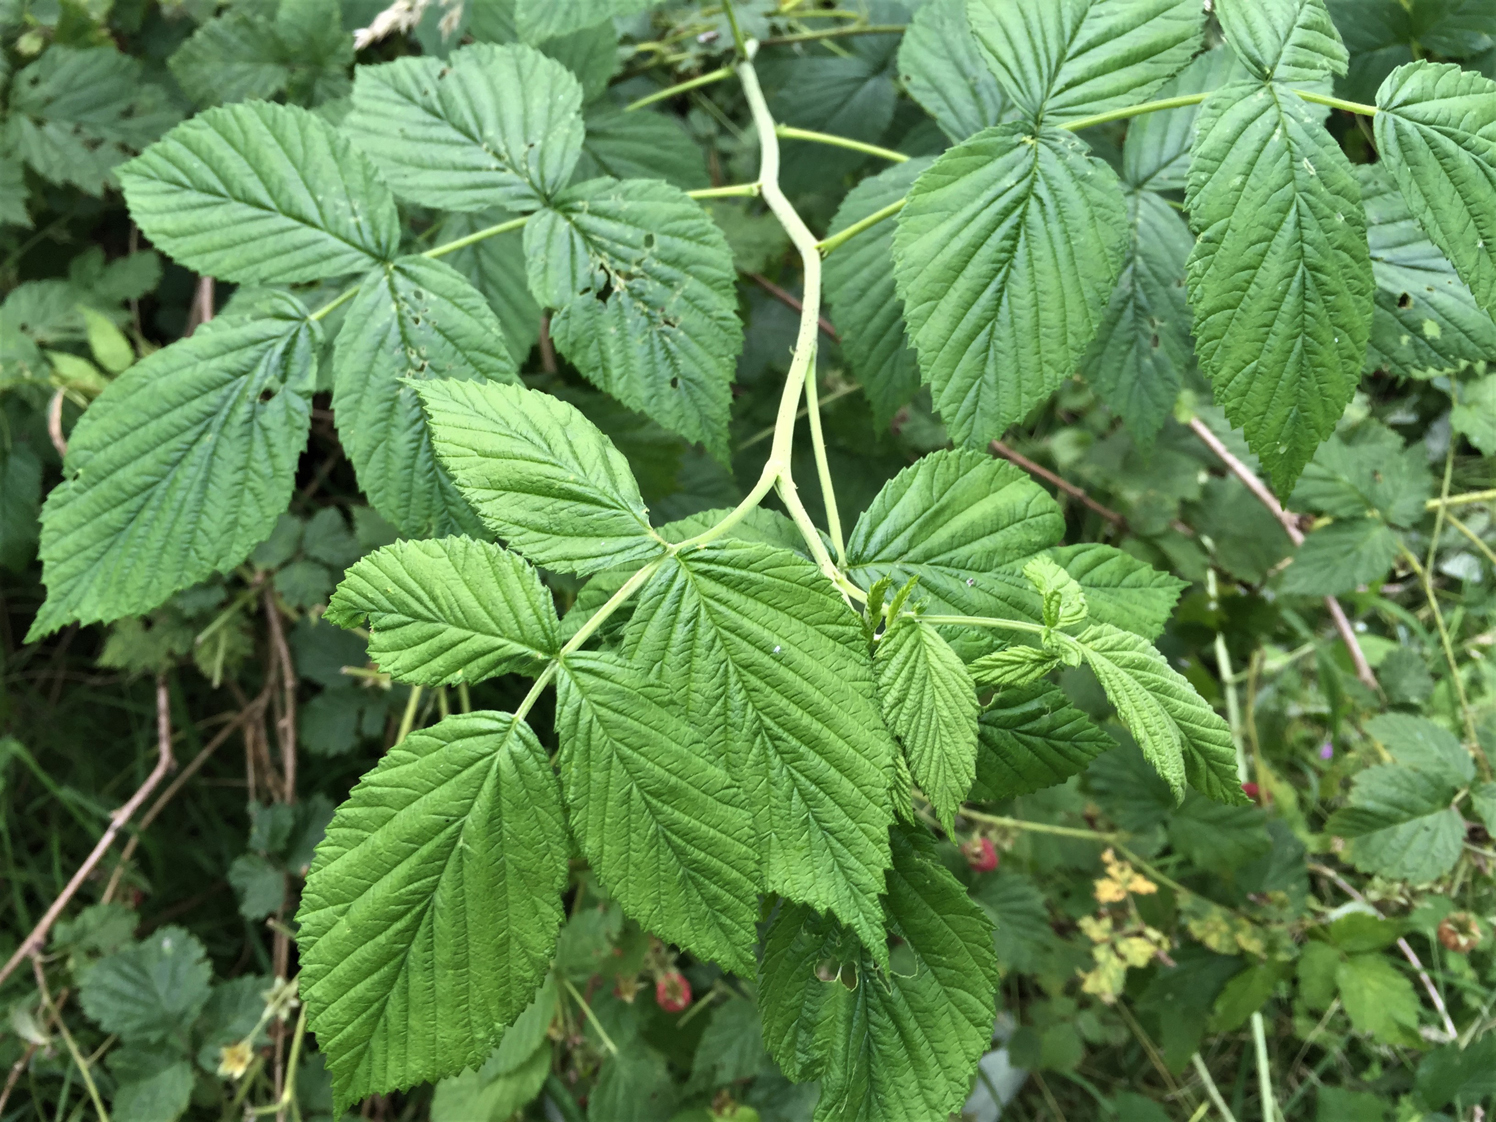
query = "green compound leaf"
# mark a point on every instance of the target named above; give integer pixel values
(1138, 360)
(1379, 999)
(1032, 737)
(490, 126)
(540, 475)
(1005, 257)
(944, 70)
(1436, 129)
(449, 611)
(864, 303)
(899, 1045)
(655, 810)
(179, 468)
(75, 114)
(646, 307)
(1426, 321)
(430, 912)
(1401, 823)
(759, 647)
(1284, 40)
(1156, 153)
(1280, 280)
(930, 703)
(1341, 557)
(1181, 736)
(1417, 742)
(257, 192)
(1072, 58)
(416, 319)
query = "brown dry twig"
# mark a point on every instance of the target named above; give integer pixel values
(164, 763)
(1290, 523)
(1075, 492)
(790, 300)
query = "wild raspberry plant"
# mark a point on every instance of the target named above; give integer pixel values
(760, 725)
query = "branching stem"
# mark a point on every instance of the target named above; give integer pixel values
(789, 133)
(679, 88)
(841, 237)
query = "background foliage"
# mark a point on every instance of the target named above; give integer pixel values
(1328, 946)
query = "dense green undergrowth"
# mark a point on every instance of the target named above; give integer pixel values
(772, 561)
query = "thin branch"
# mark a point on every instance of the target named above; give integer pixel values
(790, 300)
(998, 448)
(679, 88)
(67, 1037)
(787, 132)
(54, 423)
(836, 33)
(1462, 500)
(1402, 945)
(164, 763)
(287, 724)
(1211, 1089)
(1290, 523)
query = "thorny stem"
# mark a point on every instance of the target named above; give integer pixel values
(1425, 578)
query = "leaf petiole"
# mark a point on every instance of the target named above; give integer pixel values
(788, 133)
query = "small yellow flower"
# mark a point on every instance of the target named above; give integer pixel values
(234, 1060)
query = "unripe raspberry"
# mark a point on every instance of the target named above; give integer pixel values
(673, 992)
(981, 855)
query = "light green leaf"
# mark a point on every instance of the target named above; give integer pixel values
(1032, 737)
(761, 651)
(449, 611)
(656, 811)
(1401, 823)
(1436, 130)
(1073, 58)
(1341, 557)
(416, 319)
(646, 307)
(1378, 999)
(1284, 40)
(944, 70)
(1182, 737)
(1064, 604)
(1156, 153)
(1013, 666)
(148, 991)
(930, 703)
(860, 290)
(1005, 257)
(430, 912)
(540, 475)
(1280, 280)
(260, 192)
(1138, 359)
(75, 114)
(1418, 743)
(1475, 414)
(490, 126)
(1426, 320)
(899, 1046)
(539, 20)
(152, 1084)
(496, 267)
(179, 468)
(639, 145)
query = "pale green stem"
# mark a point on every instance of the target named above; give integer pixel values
(408, 720)
(1040, 827)
(336, 302)
(836, 33)
(827, 138)
(737, 32)
(1337, 103)
(1462, 500)
(841, 237)
(464, 698)
(1228, 681)
(823, 470)
(835, 395)
(1264, 1069)
(985, 621)
(1472, 536)
(591, 1016)
(732, 191)
(477, 236)
(1211, 1089)
(1433, 543)
(679, 88)
(1425, 577)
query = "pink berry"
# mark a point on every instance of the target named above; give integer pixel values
(673, 992)
(981, 855)
(1251, 790)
